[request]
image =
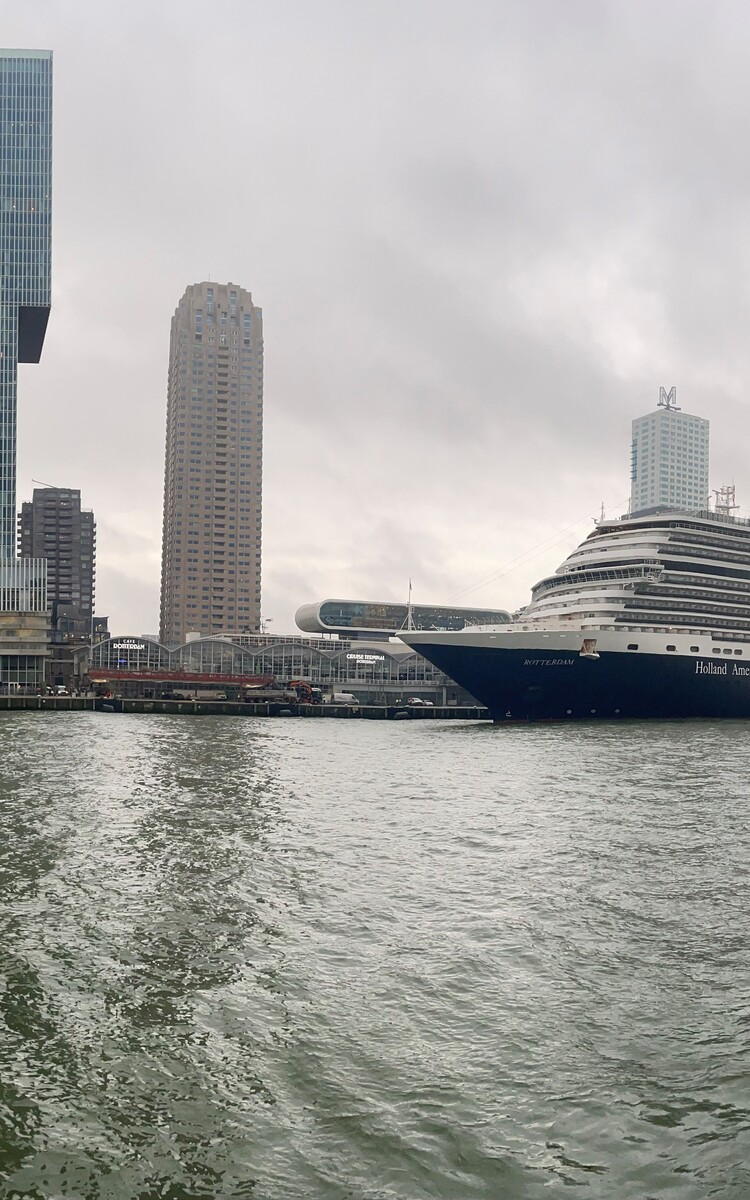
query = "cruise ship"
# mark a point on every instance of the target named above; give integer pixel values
(648, 618)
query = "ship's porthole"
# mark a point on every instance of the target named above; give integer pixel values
(569, 711)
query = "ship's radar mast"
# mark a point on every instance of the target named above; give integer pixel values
(725, 500)
(668, 399)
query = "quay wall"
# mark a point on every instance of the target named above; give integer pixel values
(229, 708)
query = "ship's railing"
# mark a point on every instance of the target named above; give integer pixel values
(699, 514)
(556, 627)
(570, 576)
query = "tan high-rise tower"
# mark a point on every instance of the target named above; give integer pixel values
(211, 541)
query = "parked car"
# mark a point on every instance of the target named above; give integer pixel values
(417, 700)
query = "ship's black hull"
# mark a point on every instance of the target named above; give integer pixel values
(518, 684)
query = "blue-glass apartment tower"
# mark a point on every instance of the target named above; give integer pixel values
(25, 215)
(25, 245)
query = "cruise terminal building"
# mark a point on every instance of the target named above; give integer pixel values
(352, 647)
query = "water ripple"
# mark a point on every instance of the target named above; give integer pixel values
(279, 959)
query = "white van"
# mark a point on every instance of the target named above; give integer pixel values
(344, 698)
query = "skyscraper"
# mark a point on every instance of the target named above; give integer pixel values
(25, 275)
(54, 526)
(25, 245)
(669, 459)
(211, 539)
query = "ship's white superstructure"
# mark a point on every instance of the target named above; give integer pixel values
(669, 569)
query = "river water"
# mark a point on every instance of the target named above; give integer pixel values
(357, 960)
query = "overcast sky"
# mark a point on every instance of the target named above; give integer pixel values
(482, 234)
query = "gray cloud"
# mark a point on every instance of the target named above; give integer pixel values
(482, 235)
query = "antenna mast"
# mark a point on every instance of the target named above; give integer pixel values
(725, 499)
(409, 613)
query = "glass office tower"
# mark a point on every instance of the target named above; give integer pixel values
(25, 245)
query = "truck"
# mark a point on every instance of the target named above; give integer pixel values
(198, 694)
(305, 692)
(268, 694)
(297, 691)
